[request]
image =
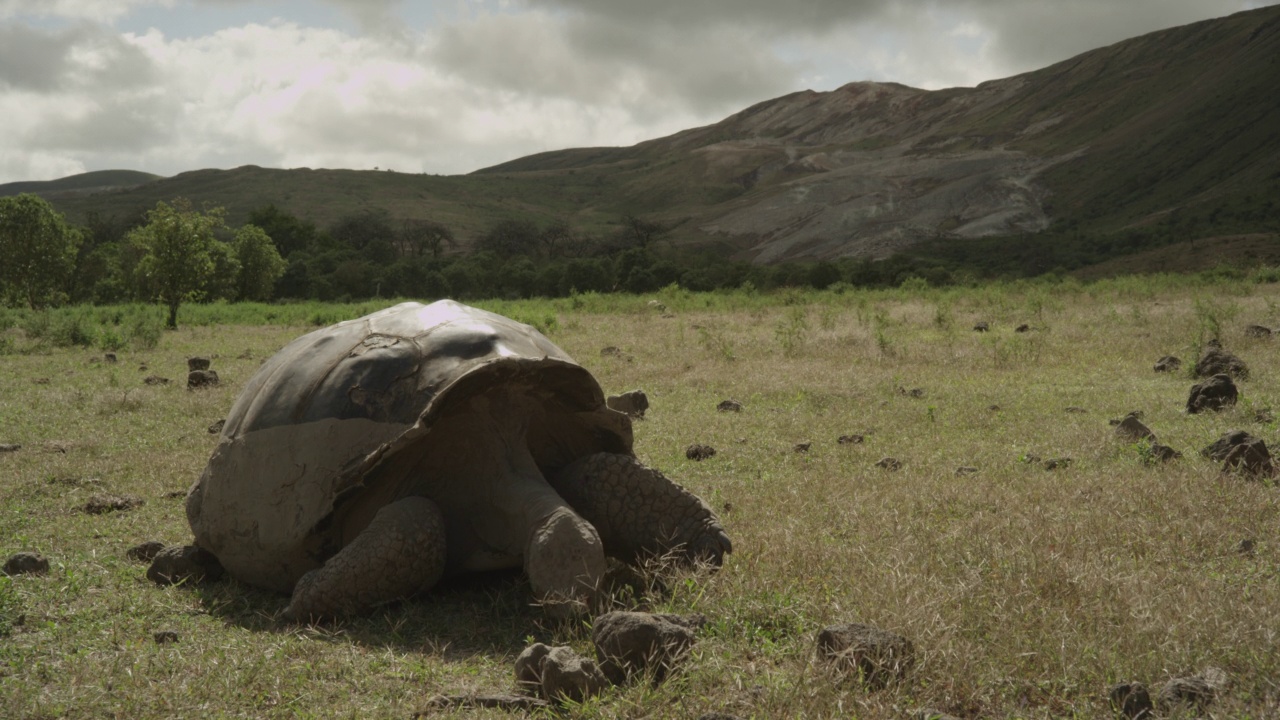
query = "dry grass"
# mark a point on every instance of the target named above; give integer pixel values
(1026, 591)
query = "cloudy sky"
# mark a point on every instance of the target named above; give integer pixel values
(451, 86)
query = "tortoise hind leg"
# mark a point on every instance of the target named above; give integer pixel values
(400, 552)
(639, 512)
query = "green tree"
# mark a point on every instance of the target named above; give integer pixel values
(260, 263)
(177, 246)
(38, 248)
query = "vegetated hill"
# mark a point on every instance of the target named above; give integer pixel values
(90, 182)
(1174, 134)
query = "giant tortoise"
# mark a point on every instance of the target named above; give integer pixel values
(367, 460)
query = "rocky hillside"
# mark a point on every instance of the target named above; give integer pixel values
(1180, 127)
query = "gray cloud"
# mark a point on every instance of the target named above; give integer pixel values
(84, 56)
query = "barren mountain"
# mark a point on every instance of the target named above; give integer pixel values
(1181, 124)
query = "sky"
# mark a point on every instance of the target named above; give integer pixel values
(448, 87)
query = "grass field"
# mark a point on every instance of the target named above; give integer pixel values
(1026, 591)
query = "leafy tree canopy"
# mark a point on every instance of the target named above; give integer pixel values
(37, 248)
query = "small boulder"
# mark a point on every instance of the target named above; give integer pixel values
(981, 326)
(109, 357)
(558, 674)
(632, 403)
(1131, 429)
(1217, 393)
(1247, 547)
(103, 503)
(216, 427)
(197, 363)
(1022, 328)
(1060, 463)
(802, 447)
(889, 463)
(1193, 692)
(145, 552)
(1157, 453)
(1251, 459)
(1131, 700)
(156, 380)
(1257, 331)
(1223, 446)
(1168, 363)
(1216, 361)
(699, 452)
(10, 447)
(26, 563)
(611, 351)
(729, 405)
(202, 379)
(966, 470)
(164, 637)
(184, 563)
(874, 656)
(854, 439)
(633, 643)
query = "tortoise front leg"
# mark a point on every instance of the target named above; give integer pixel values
(639, 512)
(400, 552)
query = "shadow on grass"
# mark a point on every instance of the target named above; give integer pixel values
(476, 614)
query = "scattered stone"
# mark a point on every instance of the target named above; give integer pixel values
(26, 563)
(965, 470)
(164, 637)
(155, 379)
(889, 463)
(1131, 699)
(1216, 361)
(103, 503)
(850, 439)
(699, 452)
(202, 379)
(1264, 416)
(175, 494)
(632, 403)
(981, 326)
(1161, 453)
(558, 674)
(142, 367)
(1132, 429)
(729, 406)
(1257, 331)
(1216, 393)
(1058, 463)
(1247, 547)
(1075, 410)
(10, 447)
(510, 703)
(993, 408)
(633, 643)
(184, 563)
(876, 657)
(1251, 459)
(216, 427)
(1168, 363)
(916, 393)
(611, 351)
(145, 552)
(109, 357)
(1194, 692)
(197, 363)
(1223, 446)
(801, 447)
(1022, 328)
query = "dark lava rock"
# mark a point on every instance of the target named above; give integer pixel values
(1247, 547)
(181, 563)
(1131, 700)
(981, 326)
(1132, 429)
(1168, 363)
(850, 439)
(9, 447)
(156, 380)
(699, 452)
(103, 504)
(1161, 453)
(216, 427)
(889, 463)
(611, 351)
(197, 363)
(1264, 416)
(558, 674)
(497, 701)
(1216, 361)
(1257, 331)
(1022, 328)
(1058, 463)
(1216, 393)
(801, 447)
(877, 657)
(26, 563)
(1251, 459)
(1223, 446)
(1194, 692)
(632, 403)
(729, 405)
(164, 637)
(634, 643)
(202, 379)
(109, 357)
(964, 470)
(145, 552)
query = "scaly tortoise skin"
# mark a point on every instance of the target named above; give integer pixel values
(367, 460)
